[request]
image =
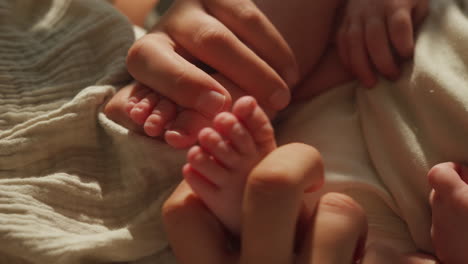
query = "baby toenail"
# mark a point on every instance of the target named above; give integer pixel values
(222, 146)
(138, 109)
(133, 100)
(210, 103)
(198, 157)
(237, 128)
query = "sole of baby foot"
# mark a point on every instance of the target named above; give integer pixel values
(183, 130)
(217, 169)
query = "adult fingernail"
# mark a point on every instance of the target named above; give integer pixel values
(210, 103)
(280, 99)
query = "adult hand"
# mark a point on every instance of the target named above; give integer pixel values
(232, 37)
(273, 203)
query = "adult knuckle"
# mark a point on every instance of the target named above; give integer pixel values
(210, 35)
(136, 53)
(249, 15)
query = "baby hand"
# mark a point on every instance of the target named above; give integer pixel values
(375, 34)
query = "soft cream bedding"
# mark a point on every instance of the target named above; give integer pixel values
(379, 144)
(78, 188)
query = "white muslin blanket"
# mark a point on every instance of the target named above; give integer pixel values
(77, 188)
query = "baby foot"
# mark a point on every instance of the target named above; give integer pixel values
(140, 109)
(217, 169)
(143, 110)
(449, 202)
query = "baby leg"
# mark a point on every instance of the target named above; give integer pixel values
(449, 202)
(217, 169)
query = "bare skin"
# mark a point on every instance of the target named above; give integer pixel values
(271, 210)
(217, 169)
(319, 64)
(449, 202)
(318, 58)
(264, 206)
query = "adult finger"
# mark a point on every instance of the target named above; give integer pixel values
(359, 59)
(378, 46)
(337, 232)
(210, 41)
(195, 235)
(272, 200)
(183, 131)
(400, 28)
(248, 23)
(152, 60)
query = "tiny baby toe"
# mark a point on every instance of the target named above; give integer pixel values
(166, 109)
(154, 125)
(213, 142)
(257, 123)
(138, 94)
(206, 166)
(129, 106)
(244, 107)
(237, 135)
(163, 113)
(143, 109)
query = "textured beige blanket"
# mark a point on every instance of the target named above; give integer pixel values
(74, 187)
(77, 188)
